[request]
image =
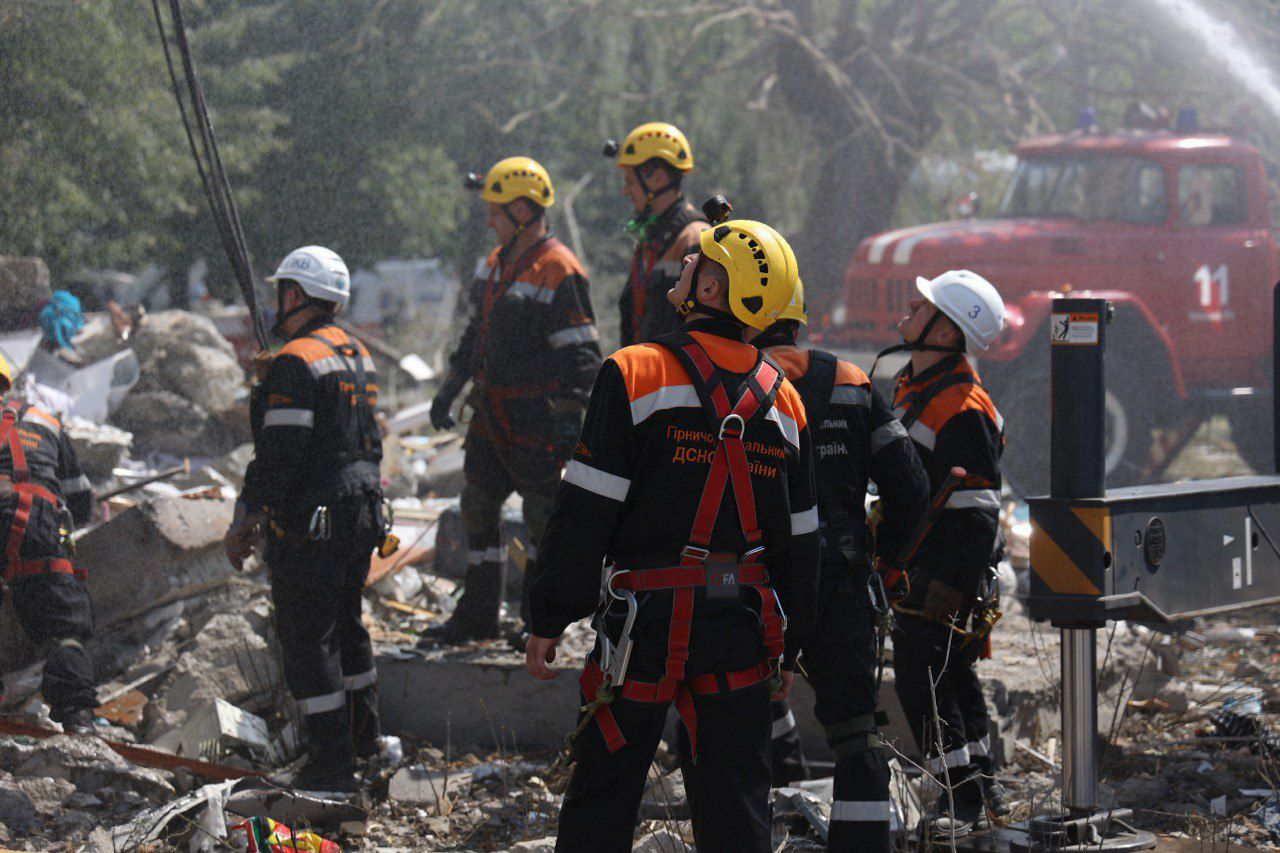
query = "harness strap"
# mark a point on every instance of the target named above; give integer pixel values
(707, 574)
(728, 422)
(663, 692)
(27, 493)
(917, 401)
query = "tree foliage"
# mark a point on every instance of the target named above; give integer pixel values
(350, 122)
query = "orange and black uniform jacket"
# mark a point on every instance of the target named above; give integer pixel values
(314, 428)
(959, 425)
(531, 335)
(52, 462)
(857, 440)
(645, 312)
(633, 485)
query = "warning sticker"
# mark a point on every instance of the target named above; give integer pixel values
(1077, 329)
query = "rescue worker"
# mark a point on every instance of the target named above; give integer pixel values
(693, 478)
(313, 493)
(856, 439)
(44, 495)
(654, 159)
(530, 349)
(940, 400)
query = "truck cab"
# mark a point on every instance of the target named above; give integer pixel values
(1173, 228)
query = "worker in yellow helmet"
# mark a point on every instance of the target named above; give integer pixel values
(654, 159)
(674, 427)
(44, 495)
(856, 440)
(531, 351)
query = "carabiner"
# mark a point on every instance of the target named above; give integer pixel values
(879, 598)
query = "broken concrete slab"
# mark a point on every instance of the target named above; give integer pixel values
(226, 659)
(17, 812)
(665, 799)
(46, 793)
(90, 764)
(419, 785)
(477, 698)
(183, 353)
(163, 421)
(99, 447)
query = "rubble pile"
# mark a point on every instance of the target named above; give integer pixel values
(191, 399)
(195, 712)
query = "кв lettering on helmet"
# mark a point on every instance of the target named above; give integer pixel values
(320, 272)
(971, 302)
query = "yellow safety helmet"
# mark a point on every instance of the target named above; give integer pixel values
(513, 178)
(6, 372)
(795, 309)
(761, 266)
(655, 139)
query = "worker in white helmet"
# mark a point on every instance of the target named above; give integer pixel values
(313, 493)
(940, 401)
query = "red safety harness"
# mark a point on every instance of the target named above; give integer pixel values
(719, 579)
(27, 492)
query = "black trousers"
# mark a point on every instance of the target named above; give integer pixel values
(55, 612)
(840, 663)
(493, 471)
(728, 788)
(316, 587)
(958, 749)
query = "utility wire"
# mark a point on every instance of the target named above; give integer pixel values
(213, 175)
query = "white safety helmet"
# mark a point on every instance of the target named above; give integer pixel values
(969, 301)
(320, 272)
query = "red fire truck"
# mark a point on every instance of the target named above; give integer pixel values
(1173, 227)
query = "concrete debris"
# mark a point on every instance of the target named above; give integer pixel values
(661, 841)
(165, 422)
(665, 798)
(226, 658)
(99, 446)
(183, 352)
(91, 765)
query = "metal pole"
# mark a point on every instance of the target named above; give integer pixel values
(1077, 470)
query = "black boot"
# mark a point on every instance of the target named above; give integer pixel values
(365, 729)
(476, 616)
(967, 799)
(75, 721)
(330, 766)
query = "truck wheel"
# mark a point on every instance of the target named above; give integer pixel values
(1137, 401)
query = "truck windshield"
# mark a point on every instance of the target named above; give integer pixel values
(1106, 187)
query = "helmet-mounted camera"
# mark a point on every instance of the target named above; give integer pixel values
(611, 148)
(473, 181)
(717, 209)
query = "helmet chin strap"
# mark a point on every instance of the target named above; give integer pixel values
(692, 305)
(519, 226)
(640, 224)
(282, 316)
(917, 345)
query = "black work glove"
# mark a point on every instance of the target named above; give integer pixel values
(440, 406)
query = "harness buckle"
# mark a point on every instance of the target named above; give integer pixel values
(724, 425)
(699, 554)
(722, 580)
(747, 557)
